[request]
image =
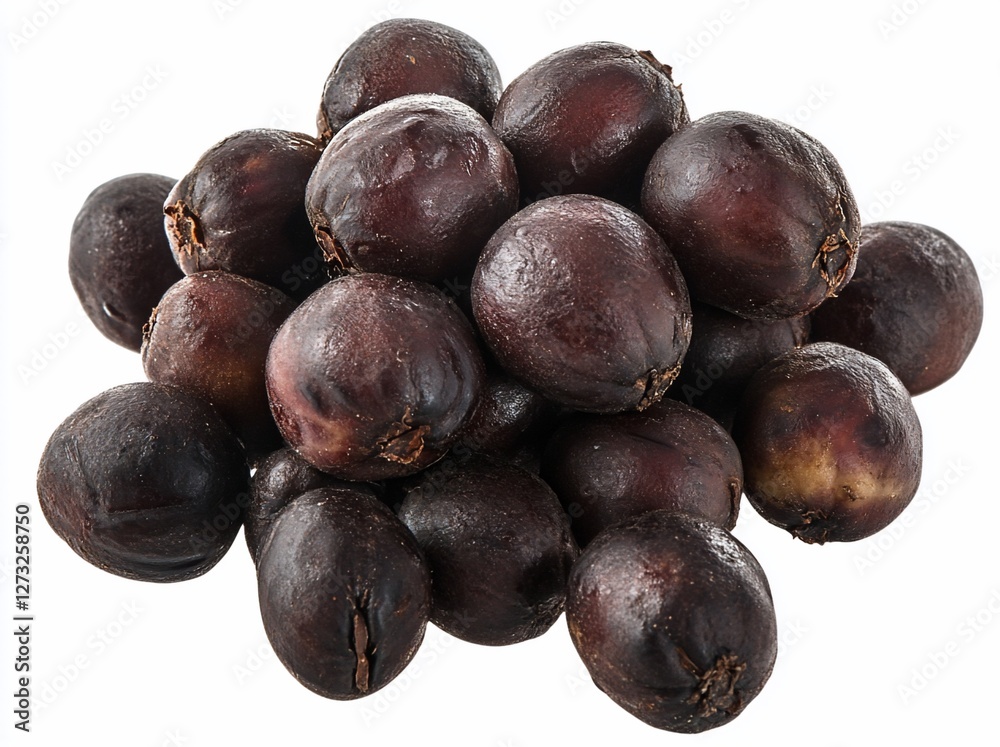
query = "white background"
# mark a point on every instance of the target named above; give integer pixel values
(904, 93)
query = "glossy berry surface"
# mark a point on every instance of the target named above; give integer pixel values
(344, 592)
(915, 303)
(674, 620)
(119, 257)
(145, 481)
(758, 213)
(581, 300)
(499, 547)
(588, 119)
(279, 479)
(373, 377)
(413, 188)
(210, 333)
(606, 468)
(725, 351)
(832, 447)
(402, 56)
(240, 209)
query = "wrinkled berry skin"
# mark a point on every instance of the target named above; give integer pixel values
(413, 188)
(588, 119)
(673, 619)
(210, 333)
(499, 547)
(119, 257)
(606, 468)
(344, 592)
(915, 303)
(279, 479)
(725, 352)
(758, 213)
(145, 481)
(373, 377)
(831, 444)
(581, 300)
(240, 210)
(403, 56)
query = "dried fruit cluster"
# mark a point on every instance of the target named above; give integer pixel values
(401, 451)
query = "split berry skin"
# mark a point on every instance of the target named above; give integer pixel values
(402, 56)
(240, 209)
(499, 548)
(588, 119)
(832, 448)
(373, 377)
(344, 592)
(414, 187)
(758, 213)
(145, 481)
(915, 303)
(210, 333)
(674, 620)
(581, 300)
(606, 468)
(725, 351)
(119, 256)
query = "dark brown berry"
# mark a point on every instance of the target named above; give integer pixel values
(210, 333)
(831, 444)
(511, 422)
(145, 481)
(344, 592)
(758, 213)
(588, 119)
(674, 620)
(373, 376)
(725, 351)
(606, 468)
(580, 299)
(499, 547)
(414, 188)
(401, 56)
(915, 303)
(119, 257)
(240, 209)
(279, 479)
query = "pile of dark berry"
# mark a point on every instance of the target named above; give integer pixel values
(477, 358)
